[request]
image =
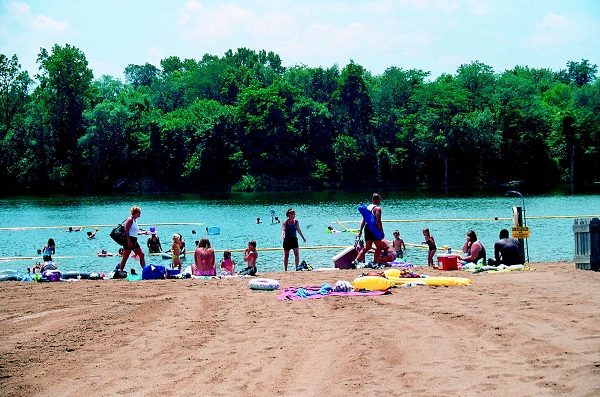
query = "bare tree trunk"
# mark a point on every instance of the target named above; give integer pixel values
(446, 171)
(571, 170)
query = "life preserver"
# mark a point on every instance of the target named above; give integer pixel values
(370, 221)
(265, 284)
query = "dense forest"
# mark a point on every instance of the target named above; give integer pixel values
(244, 122)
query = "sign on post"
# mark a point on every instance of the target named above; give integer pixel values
(520, 232)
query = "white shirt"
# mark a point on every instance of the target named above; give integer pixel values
(134, 229)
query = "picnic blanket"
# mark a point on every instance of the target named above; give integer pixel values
(298, 293)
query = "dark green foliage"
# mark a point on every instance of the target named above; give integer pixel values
(244, 122)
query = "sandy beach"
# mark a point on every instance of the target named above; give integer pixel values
(520, 333)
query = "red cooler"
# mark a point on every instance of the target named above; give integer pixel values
(447, 262)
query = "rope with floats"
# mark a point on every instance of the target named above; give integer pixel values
(93, 226)
(240, 250)
(478, 219)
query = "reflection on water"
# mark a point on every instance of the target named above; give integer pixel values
(448, 218)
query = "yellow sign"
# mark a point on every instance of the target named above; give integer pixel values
(520, 232)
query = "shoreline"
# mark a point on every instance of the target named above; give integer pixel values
(518, 333)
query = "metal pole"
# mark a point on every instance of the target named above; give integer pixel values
(511, 192)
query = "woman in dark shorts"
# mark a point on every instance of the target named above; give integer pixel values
(289, 230)
(131, 241)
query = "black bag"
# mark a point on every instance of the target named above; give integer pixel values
(118, 234)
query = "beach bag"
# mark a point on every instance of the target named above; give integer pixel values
(118, 234)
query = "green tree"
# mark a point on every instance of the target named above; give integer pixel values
(349, 160)
(64, 93)
(434, 140)
(478, 80)
(270, 142)
(141, 75)
(14, 92)
(525, 125)
(582, 73)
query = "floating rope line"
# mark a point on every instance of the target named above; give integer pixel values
(480, 219)
(15, 258)
(94, 226)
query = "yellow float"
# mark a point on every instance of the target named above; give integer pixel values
(372, 283)
(434, 281)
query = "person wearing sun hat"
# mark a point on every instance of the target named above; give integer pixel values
(154, 242)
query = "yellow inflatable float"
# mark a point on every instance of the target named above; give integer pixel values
(434, 281)
(395, 275)
(372, 283)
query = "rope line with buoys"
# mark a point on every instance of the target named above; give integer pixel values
(93, 226)
(17, 258)
(314, 247)
(480, 219)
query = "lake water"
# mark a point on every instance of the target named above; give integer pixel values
(27, 222)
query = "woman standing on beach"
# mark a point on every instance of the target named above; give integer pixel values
(204, 259)
(49, 250)
(290, 240)
(131, 241)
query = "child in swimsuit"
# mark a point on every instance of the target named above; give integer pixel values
(175, 251)
(227, 264)
(430, 241)
(399, 246)
(250, 256)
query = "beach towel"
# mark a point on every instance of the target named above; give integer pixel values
(298, 293)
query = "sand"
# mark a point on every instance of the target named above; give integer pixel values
(522, 333)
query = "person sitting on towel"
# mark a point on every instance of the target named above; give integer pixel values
(507, 251)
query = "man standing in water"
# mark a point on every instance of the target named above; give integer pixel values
(370, 238)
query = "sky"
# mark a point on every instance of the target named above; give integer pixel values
(436, 36)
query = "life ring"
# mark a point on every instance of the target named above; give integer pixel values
(264, 284)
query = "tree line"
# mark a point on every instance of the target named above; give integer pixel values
(244, 122)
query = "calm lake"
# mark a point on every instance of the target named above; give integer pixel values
(26, 223)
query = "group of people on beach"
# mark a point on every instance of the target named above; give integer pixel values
(204, 255)
(507, 251)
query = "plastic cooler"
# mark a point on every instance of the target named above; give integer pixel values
(447, 262)
(344, 259)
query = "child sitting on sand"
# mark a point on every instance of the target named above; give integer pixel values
(227, 264)
(250, 256)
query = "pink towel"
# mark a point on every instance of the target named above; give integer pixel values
(290, 293)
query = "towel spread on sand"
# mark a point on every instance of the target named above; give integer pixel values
(296, 293)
